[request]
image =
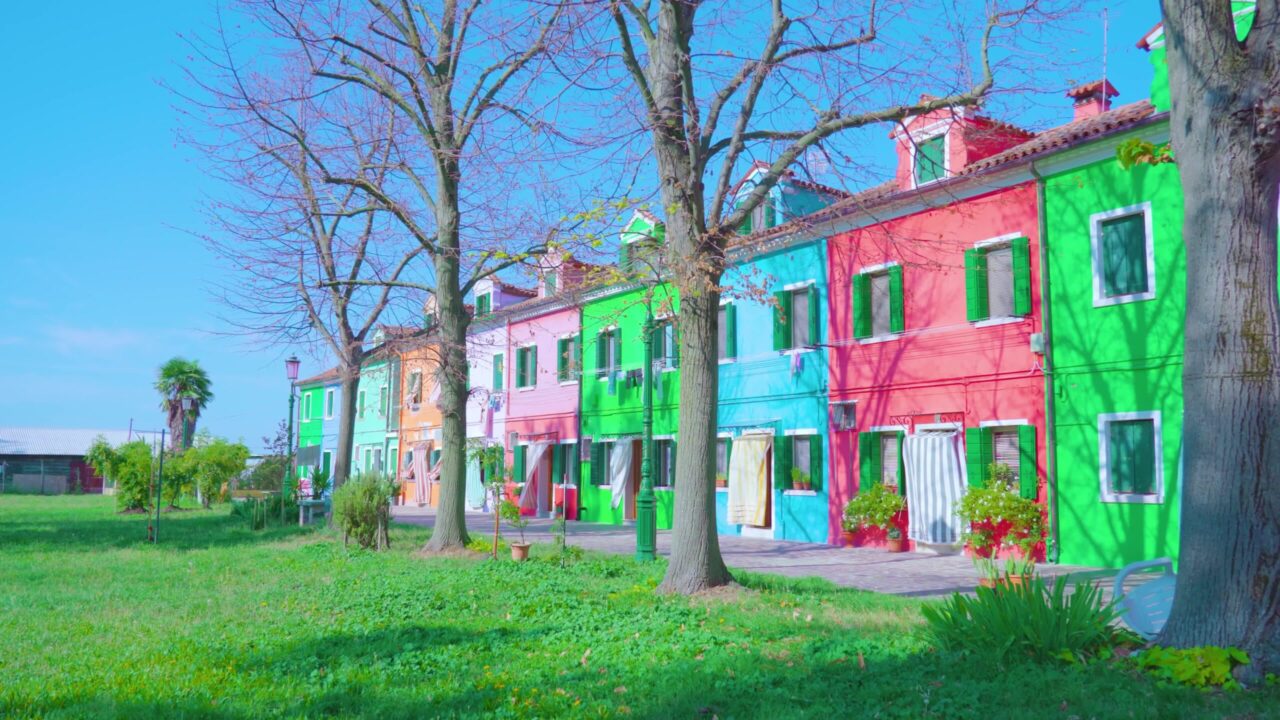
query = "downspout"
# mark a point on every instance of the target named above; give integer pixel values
(1051, 469)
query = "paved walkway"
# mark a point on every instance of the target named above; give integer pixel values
(909, 574)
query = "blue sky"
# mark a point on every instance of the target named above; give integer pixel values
(99, 280)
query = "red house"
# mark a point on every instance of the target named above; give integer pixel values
(936, 355)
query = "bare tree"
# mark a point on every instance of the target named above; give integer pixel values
(463, 179)
(709, 109)
(296, 244)
(1225, 121)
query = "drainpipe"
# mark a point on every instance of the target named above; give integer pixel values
(1051, 464)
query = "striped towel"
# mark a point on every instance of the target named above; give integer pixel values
(935, 482)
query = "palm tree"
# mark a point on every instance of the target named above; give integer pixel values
(181, 378)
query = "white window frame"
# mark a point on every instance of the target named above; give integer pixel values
(616, 366)
(330, 400)
(1104, 470)
(1095, 241)
(925, 134)
(306, 406)
(533, 385)
(881, 269)
(574, 372)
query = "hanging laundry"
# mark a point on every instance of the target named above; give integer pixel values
(749, 480)
(935, 469)
(532, 478)
(797, 363)
(620, 470)
(657, 383)
(475, 488)
(613, 383)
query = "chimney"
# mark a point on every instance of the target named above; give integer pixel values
(1091, 99)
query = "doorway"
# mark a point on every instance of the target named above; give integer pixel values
(765, 531)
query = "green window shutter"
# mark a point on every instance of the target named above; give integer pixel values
(674, 446)
(897, 321)
(977, 455)
(656, 337)
(929, 163)
(557, 464)
(1028, 483)
(597, 463)
(521, 361)
(574, 462)
(532, 364)
(731, 330)
(675, 343)
(517, 456)
(615, 336)
(577, 354)
(744, 228)
(781, 462)
(562, 359)
(861, 306)
(975, 283)
(770, 213)
(1021, 251)
(782, 321)
(601, 339)
(497, 372)
(1132, 458)
(902, 465)
(816, 464)
(624, 256)
(1123, 244)
(868, 460)
(814, 315)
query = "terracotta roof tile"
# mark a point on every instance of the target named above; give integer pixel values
(1069, 134)
(330, 374)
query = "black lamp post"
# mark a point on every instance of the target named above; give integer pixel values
(290, 370)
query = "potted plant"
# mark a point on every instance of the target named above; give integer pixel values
(877, 507)
(722, 481)
(510, 512)
(999, 521)
(800, 479)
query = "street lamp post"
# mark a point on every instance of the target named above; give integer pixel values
(155, 534)
(188, 404)
(290, 370)
(646, 503)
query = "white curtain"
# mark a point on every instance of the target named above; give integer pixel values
(421, 452)
(749, 480)
(935, 482)
(620, 470)
(532, 460)
(475, 488)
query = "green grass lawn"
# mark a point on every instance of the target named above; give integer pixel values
(222, 622)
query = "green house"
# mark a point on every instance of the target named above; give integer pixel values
(611, 390)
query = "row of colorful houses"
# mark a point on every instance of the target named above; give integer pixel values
(1008, 298)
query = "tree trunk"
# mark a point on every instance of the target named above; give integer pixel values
(450, 531)
(1228, 590)
(175, 426)
(695, 263)
(350, 378)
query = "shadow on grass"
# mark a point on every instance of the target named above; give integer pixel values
(198, 529)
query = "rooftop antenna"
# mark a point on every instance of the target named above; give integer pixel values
(1104, 57)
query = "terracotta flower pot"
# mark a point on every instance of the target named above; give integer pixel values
(848, 536)
(895, 545)
(519, 551)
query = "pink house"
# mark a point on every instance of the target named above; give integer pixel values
(936, 365)
(544, 360)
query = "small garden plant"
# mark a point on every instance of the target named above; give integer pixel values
(1202, 667)
(876, 508)
(996, 519)
(362, 509)
(1028, 621)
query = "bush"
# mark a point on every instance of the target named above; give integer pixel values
(1028, 621)
(874, 508)
(362, 509)
(214, 464)
(1203, 667)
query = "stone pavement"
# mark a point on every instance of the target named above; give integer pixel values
(916, 574)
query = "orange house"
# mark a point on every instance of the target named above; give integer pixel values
(420, 422)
